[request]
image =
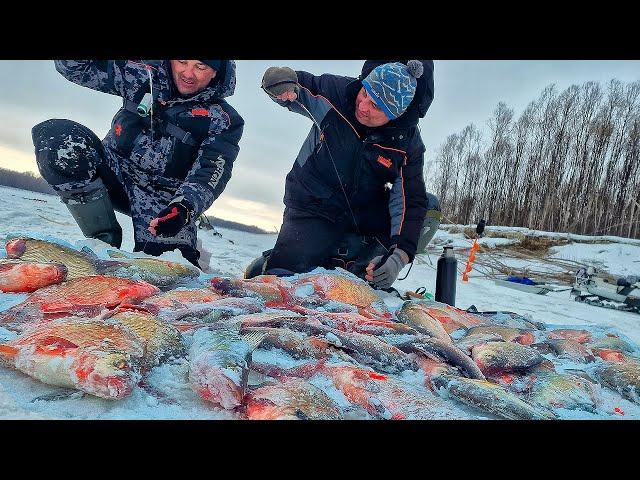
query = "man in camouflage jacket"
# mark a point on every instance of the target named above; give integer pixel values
(167, 157)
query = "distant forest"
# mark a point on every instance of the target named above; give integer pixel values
(569, 163)
(26, 181)
(35, 183)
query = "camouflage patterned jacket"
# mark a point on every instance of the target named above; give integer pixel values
(184, 150)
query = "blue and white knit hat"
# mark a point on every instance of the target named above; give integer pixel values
(393, 85)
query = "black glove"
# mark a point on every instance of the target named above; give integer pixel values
(385, 270)
(278, 80)
(170, 220)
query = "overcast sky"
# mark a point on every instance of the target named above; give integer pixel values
(465, 92)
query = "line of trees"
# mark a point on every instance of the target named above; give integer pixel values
(25, 181)
(570, 162)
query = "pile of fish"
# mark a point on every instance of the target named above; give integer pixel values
(312, 346)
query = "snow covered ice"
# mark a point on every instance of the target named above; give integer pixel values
(167, 394)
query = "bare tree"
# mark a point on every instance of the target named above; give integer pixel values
(569, 162)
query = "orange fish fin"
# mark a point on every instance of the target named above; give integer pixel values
(53, 345)
(60, 306)
(8, 350)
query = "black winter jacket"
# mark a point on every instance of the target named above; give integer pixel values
(367, 160)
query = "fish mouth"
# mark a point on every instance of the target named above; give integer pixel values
(16, 248)
(61, 271)
(118, 387)
(213, 386)
(226, 396)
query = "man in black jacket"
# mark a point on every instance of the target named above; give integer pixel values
(167, 157)
(355, 197)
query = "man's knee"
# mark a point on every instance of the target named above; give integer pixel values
(65, 151)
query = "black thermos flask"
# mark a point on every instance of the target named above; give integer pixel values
(446, 277)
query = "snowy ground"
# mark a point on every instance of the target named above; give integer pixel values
(33, 213)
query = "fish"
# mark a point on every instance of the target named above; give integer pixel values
(79, 264)
(176, 299)
(580, 336)
(340, 288)
(80, 296)
(26, 277)
(613, 342)
(571, 350)
(291, 399)
(622, 377)
(372, 351)
(190, 308)
(388, 398)
(296, 344)
(223, 310)
(366, 349)
(496, 357)
(161, 273)
(219, 360)
(451, 318)
(160, 340)
(508, 334)
(280, 320)
(467, 342)
(417, 316)
(554, 390)
(273, 290)
(508, 319)
(610, 355)
(93, 356)
(433, 347)
(489, 397)
(85, 262)
(354, 322)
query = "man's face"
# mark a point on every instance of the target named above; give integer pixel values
(367, 111)
(191, 76)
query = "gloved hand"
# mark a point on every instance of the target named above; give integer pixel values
(281, 83)
(386, 273)
(169, 221)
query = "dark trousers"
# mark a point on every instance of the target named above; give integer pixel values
(307, 241)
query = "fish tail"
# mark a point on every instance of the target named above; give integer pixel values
(254, 339)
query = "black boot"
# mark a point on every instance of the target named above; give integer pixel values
(93, 212)
(257, 266)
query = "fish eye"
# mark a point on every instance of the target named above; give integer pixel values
(121, 364)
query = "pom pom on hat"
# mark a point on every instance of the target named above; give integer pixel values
(415, 68)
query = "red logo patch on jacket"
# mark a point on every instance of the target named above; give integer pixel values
(200, 112)
(384, 161)
(118, 129)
